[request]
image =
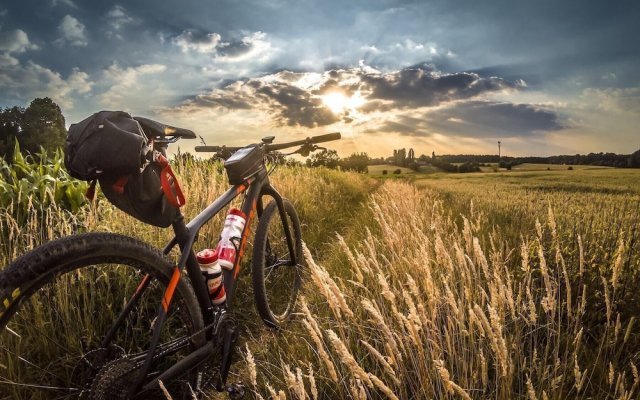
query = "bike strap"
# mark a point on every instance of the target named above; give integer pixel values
(170, 185)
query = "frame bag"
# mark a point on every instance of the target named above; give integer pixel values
(112, 148)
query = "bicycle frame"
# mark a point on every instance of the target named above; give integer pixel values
(185, 237)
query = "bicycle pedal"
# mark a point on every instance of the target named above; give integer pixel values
(235, 391)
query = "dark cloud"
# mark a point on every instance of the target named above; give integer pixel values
(424, 87)
(476, 119)
(487, 119)
(235, 48)
(288, 104)
(294, 104)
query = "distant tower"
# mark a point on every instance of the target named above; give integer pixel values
(433, 155)
(499, 149)
(412, 155)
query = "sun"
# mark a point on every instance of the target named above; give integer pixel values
(338, 103)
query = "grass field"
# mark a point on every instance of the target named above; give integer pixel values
(506, 285)
(377, 169)
(497, 285)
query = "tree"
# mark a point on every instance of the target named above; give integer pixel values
(355, 162)
(11, 125)
(43, 126)
(634, 159)
(400, 157)
(325, 158)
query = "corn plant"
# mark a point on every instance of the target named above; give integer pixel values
(36, 182)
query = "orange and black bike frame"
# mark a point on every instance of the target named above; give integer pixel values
(253, 189)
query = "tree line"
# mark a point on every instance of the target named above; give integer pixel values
(598, 159)
(357, 162)
(41, 124)
(473, 162)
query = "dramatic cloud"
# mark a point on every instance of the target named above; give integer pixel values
(16, 41)
(421, 86)
(126, 84)
(296, 99)
(118, 17)
(295, 106)
(403, 69)
(72, 32)
(198, 42)
(25, 82)
(249, 47)
(487, 119)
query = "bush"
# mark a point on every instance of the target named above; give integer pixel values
(469, 167)
(397, 171)
(570, 168)
(384, 172)
(507, 165)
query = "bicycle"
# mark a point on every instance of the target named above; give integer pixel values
(106, 316)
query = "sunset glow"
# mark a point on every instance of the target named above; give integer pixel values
(420, 75)
(338, 103)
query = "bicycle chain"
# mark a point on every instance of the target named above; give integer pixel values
(109, 384)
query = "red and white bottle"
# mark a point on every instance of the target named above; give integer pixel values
(230, 238)
(208, 261)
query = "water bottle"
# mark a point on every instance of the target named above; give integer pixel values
(210, 267)
(230, 238)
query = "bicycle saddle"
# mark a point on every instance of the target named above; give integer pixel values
(157, 129)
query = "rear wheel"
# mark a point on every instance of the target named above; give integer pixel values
(276, 278)
(57, 304)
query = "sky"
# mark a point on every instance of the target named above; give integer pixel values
(449, 76)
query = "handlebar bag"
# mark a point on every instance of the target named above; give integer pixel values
(245, 162)
(112, 148)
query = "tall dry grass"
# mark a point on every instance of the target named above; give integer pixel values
(91, 299)
(420, 306)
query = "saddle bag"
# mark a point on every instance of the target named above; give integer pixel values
(111, 147)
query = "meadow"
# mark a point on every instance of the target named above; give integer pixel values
(507, 285)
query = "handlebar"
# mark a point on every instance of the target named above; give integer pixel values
(216, 149)
(278, 146)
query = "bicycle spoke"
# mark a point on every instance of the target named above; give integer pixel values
(41, 333)
(19, 357)
(273, 267)
(31, 385)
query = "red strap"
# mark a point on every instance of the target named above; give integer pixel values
(119, 185)
(170, 185)
(90, 194)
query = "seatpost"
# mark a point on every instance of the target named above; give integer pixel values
(193, 270)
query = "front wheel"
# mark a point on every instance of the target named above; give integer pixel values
(58, 305)
(276, 277)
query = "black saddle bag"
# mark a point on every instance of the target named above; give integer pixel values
(108, 142)
(112, 148)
